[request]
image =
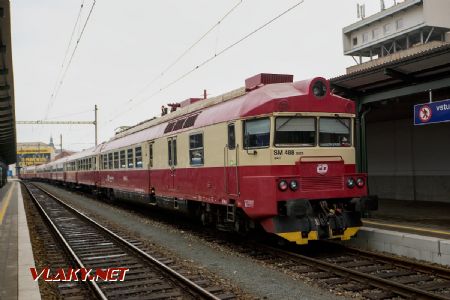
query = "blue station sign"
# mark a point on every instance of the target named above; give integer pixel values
(433, 112)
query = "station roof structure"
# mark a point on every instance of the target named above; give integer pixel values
(382, 79)
(7, 111)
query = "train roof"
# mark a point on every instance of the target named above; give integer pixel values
(263, 94)
(85, 153)
(261, 99)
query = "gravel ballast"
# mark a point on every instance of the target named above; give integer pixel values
(247, 274)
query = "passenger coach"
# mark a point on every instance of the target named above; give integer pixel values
(275, 153)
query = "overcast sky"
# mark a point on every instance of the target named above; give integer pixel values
(126, 44)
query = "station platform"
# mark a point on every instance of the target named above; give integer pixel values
(16, 255)
(412, 229)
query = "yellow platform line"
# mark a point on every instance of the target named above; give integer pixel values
(408, 227)
(6, 203)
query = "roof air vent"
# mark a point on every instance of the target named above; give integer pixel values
(265, 78)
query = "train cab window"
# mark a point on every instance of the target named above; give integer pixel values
(116, 160)
(110, 161)
(335, 132)
(295, 131)
(257, 133)
(196, 153)
(138, 155)
(130, 158)
(231, 137)
(123, 163)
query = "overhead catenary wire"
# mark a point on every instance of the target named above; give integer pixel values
(65, 56)
(70, 114)
(182, 55)
(61, 80)
(208, 60)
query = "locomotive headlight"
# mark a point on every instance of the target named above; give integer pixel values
(283, 185)
(319, 89)
(293, 185)
(350, 183)
(360, 182)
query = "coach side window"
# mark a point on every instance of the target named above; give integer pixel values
(123, 163)
(150, 150)
(169, 151)
(174, 144)
(116, 160)
(257, 133)
(172, 151)
(231, 137)
(138, 154)
(110, 161)
(196, 153)
(130, 158)
(105, 162)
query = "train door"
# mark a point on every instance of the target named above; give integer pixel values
(172, 151)
(231, 162)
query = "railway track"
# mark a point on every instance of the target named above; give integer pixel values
(346, 270)
(93, 246)
(372, 276)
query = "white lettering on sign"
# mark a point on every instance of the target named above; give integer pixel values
(249, 203)
(443, 107)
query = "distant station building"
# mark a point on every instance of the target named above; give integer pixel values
(401, 82)
(33, 154)
(37, 153)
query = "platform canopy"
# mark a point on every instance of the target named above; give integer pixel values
(397, 76)
(7, 112)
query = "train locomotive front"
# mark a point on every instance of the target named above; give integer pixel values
(297, 172)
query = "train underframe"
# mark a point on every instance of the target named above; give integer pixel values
(303, 220)
(298, 220)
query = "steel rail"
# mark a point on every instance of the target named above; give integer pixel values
(435, 270)
(190, 284)
(395, 287)
(94, 286)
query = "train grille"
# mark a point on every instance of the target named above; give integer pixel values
(309, 184)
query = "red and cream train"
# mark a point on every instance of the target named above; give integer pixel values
(274, 153)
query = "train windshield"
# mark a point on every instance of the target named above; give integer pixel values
(295, 131)
(334, 132)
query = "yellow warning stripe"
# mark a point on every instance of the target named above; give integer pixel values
(6, 203)
(408, 227)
